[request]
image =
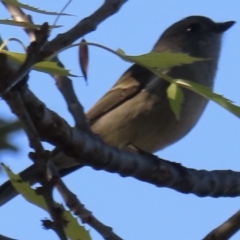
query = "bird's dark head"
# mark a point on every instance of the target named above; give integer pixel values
(196, 35)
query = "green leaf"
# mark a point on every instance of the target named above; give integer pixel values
(18, 58)
(16, 3)
(52, 68)
(25, 189)
(161, 59)
(208, 93)
(73, 229)
(44, 66)
(175, 96)
(24, 24)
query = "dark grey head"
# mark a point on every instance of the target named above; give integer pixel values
(197, 35)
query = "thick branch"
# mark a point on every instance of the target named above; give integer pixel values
(92, 151)
(5, 238)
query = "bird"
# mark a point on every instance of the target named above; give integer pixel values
(136, 109)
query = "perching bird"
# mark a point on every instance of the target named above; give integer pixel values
(136, 110)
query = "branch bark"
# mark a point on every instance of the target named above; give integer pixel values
(226, 230)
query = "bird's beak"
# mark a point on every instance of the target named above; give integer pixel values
(222, 27)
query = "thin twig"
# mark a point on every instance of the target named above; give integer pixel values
(85, 26)
(41, 162)
(78, 208)
(65, 86)
(226, 230)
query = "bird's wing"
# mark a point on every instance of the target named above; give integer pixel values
(131, 83)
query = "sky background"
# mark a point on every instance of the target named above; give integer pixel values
(135, 210)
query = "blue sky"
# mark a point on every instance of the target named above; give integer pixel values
(134, 209)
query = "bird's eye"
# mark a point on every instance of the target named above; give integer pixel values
(193, 27)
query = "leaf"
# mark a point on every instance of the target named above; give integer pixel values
(209, 94)
(52, 68)
(83, 58)
(25, 189)
(24, 24)
(73, 229)
(16, 3)
(175, 96)
(44, 66)
(161, 59)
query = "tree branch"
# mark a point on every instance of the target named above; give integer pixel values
(92, 151)
(85, 26)
(78, 208)
(226, 230)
